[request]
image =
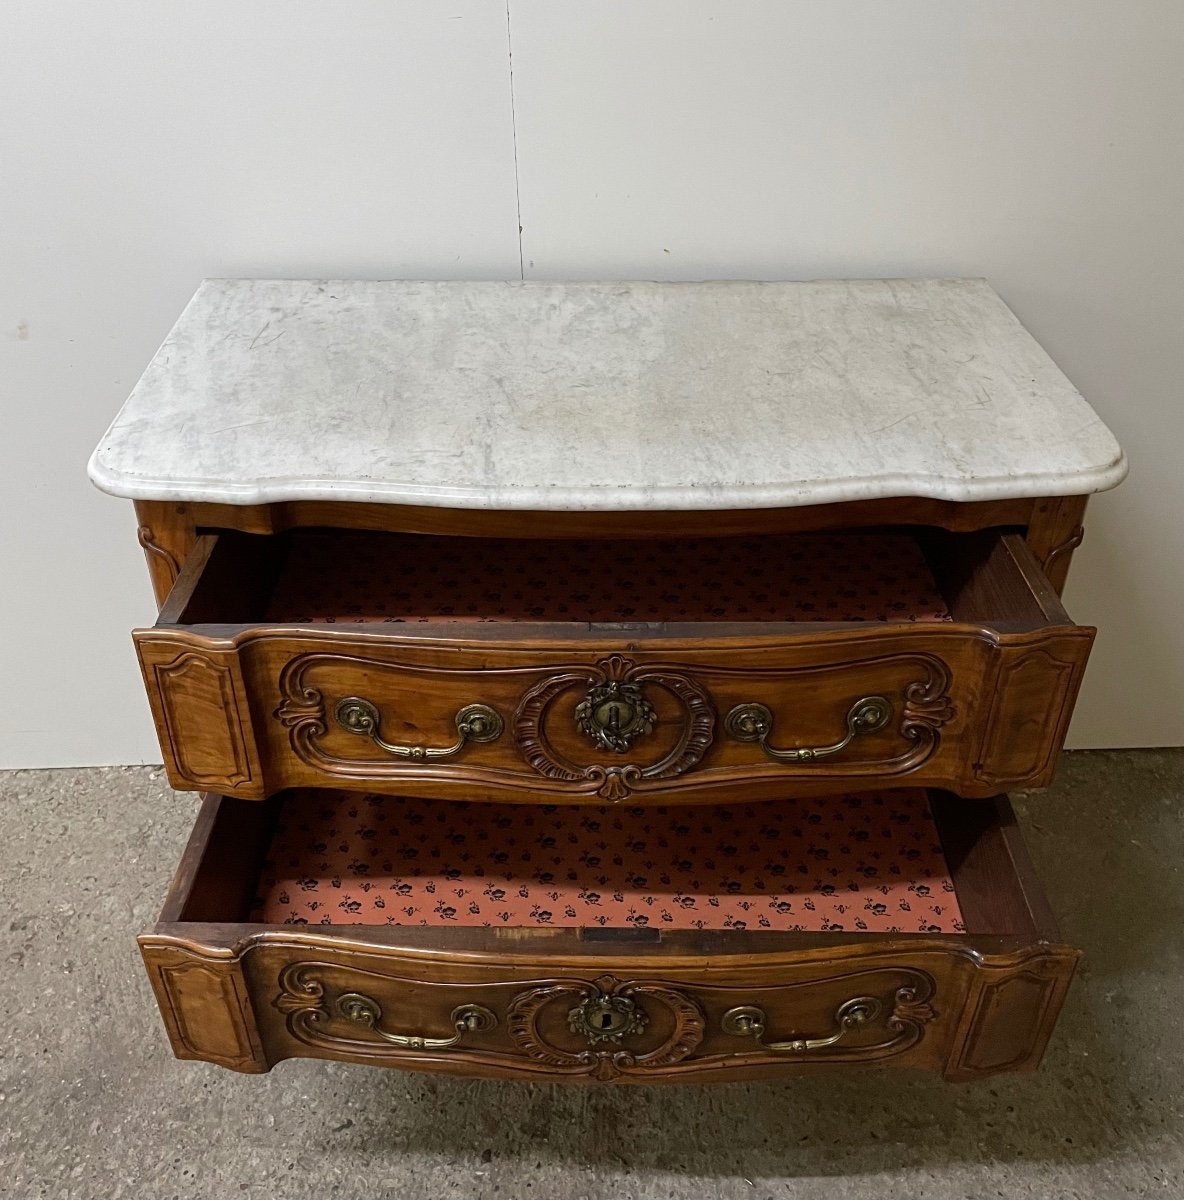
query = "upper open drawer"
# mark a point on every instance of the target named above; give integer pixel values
(564, 671)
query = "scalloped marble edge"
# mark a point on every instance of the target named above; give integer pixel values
(623, 498)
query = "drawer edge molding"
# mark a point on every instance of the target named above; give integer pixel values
(615, 782)
(977, 714)
(263, 996)
(1010, 1013)
(206, 1005)
(201, 708)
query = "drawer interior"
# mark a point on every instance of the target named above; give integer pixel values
(894, 863)
(772, 582)
(871, 862)
(327, 576)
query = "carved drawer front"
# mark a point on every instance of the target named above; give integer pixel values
(975, 698)
(609, 1002)
(605, 1028)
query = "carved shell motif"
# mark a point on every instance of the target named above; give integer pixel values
(613, 713)
(610, 1016)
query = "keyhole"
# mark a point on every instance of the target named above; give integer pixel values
(606, 1020)
(614, 715)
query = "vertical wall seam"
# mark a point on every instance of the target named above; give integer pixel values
(514, 135)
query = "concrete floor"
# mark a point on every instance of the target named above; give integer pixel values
(94, 1105)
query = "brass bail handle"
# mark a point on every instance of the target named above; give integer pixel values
(754, 723)
(364, 1010)
(750, 1021)
(474, 723)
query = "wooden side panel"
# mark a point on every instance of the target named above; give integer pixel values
(203, 719)
(1032, 697)
(1010, 1014)
(206, 1007)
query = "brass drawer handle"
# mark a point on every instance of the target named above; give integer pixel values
(749, 1021)
(474, 723)
(754, 723)
(468, 1018)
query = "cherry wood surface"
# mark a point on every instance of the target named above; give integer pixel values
(968, 1005)
(980, 703)
(166, 530)
(242, 706)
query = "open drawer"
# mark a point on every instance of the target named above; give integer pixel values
(562, 671)
(657, 944)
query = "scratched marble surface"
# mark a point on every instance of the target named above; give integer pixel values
(602, 396)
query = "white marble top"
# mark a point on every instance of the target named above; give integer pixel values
(601, 396)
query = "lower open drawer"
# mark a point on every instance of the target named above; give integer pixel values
(646, 945)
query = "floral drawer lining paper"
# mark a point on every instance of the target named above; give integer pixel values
(857, 863)
(787, 577)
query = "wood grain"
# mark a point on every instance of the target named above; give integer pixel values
(402, 518)
(1055, 530)
(965, 1005)
(979, 704)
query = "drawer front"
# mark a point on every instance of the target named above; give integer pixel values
(618, 1021)
(674, 722)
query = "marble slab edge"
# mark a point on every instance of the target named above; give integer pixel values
(633, 497)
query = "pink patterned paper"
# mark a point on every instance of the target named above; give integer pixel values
(789, 577)
(871, 862)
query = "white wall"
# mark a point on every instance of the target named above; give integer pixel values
(146, 144)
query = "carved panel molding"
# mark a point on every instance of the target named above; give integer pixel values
(615, 781)
(201, 715)
(206, 1009)
(607, 1028)
(1033, 690)
(605, 1057)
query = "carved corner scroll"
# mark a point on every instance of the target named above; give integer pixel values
(166, 535)
(159, 559)
(927, 704)
(612, 1050)
(1055, 530)
(615, 781)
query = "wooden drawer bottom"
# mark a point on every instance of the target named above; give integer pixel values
(611, 1002)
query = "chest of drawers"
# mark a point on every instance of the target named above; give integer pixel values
(608, 682)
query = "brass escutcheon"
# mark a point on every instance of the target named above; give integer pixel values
(606, 1018)
(614, 714)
